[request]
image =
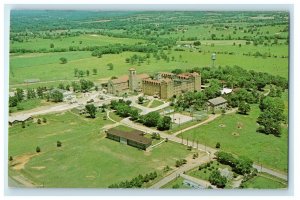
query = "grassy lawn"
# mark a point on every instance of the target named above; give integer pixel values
(269, 150)
(155, 103)
(29, 104)
(265, 181)
(86, 158)
(176, 183)
(115, 117)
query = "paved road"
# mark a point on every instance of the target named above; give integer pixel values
(270, 171)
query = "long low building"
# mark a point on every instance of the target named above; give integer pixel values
(133, 138)
(19, 118)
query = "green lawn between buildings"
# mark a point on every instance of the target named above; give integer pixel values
(86, 158)
(269, 150)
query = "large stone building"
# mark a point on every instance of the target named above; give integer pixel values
(164, 85)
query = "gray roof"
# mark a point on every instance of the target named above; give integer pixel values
(217, 101)
(19, 118)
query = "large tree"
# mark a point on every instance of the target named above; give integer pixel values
(91, 110)
(151, 119)
(244, 108)
(164, 123)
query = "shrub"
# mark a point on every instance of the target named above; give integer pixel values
(39, 121)
(44, 120)
(23, 124)
(218, 145)
(10, 158)
(58, 143)
(38, 149)
(189, 148)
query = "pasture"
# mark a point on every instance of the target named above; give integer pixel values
(86, 158)
(30, 66)
(237, 134)
(65, 42)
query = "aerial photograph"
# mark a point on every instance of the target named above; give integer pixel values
(148, 99)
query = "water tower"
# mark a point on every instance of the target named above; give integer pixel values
(213, 58)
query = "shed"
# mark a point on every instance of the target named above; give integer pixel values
(217, 103)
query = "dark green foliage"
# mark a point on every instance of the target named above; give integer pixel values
(31, 93)
(244, 108)
(56, 96)
(241, 165)
(217, 179)
(85, 85)
(39, 121)
(140, 100)
(151, 119)
(218, 145)
(272, 115)
(58, 144)
(44, 120)
(13, 101)
(19, 94)
(164, 123)
(180, 162)
(38, 149)
(10, 158)
(136, 182)
(23, 125)
(91, 109)
(63, 60)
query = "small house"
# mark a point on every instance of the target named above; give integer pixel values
(217, 103)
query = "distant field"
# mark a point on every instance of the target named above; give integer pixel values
(66, 42)
(30, 66)
(86, 158)
(269, 150)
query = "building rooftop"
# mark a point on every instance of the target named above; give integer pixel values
(134, 135)
(217, 101)
(226, 91)
(19, 118)
(125, 78)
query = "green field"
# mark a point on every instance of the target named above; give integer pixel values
(32, 66)
(86, 158)
(265, 181)
(269, 150)
(29, 104)
(66, 42)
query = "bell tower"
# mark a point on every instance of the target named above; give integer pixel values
(132, 79)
